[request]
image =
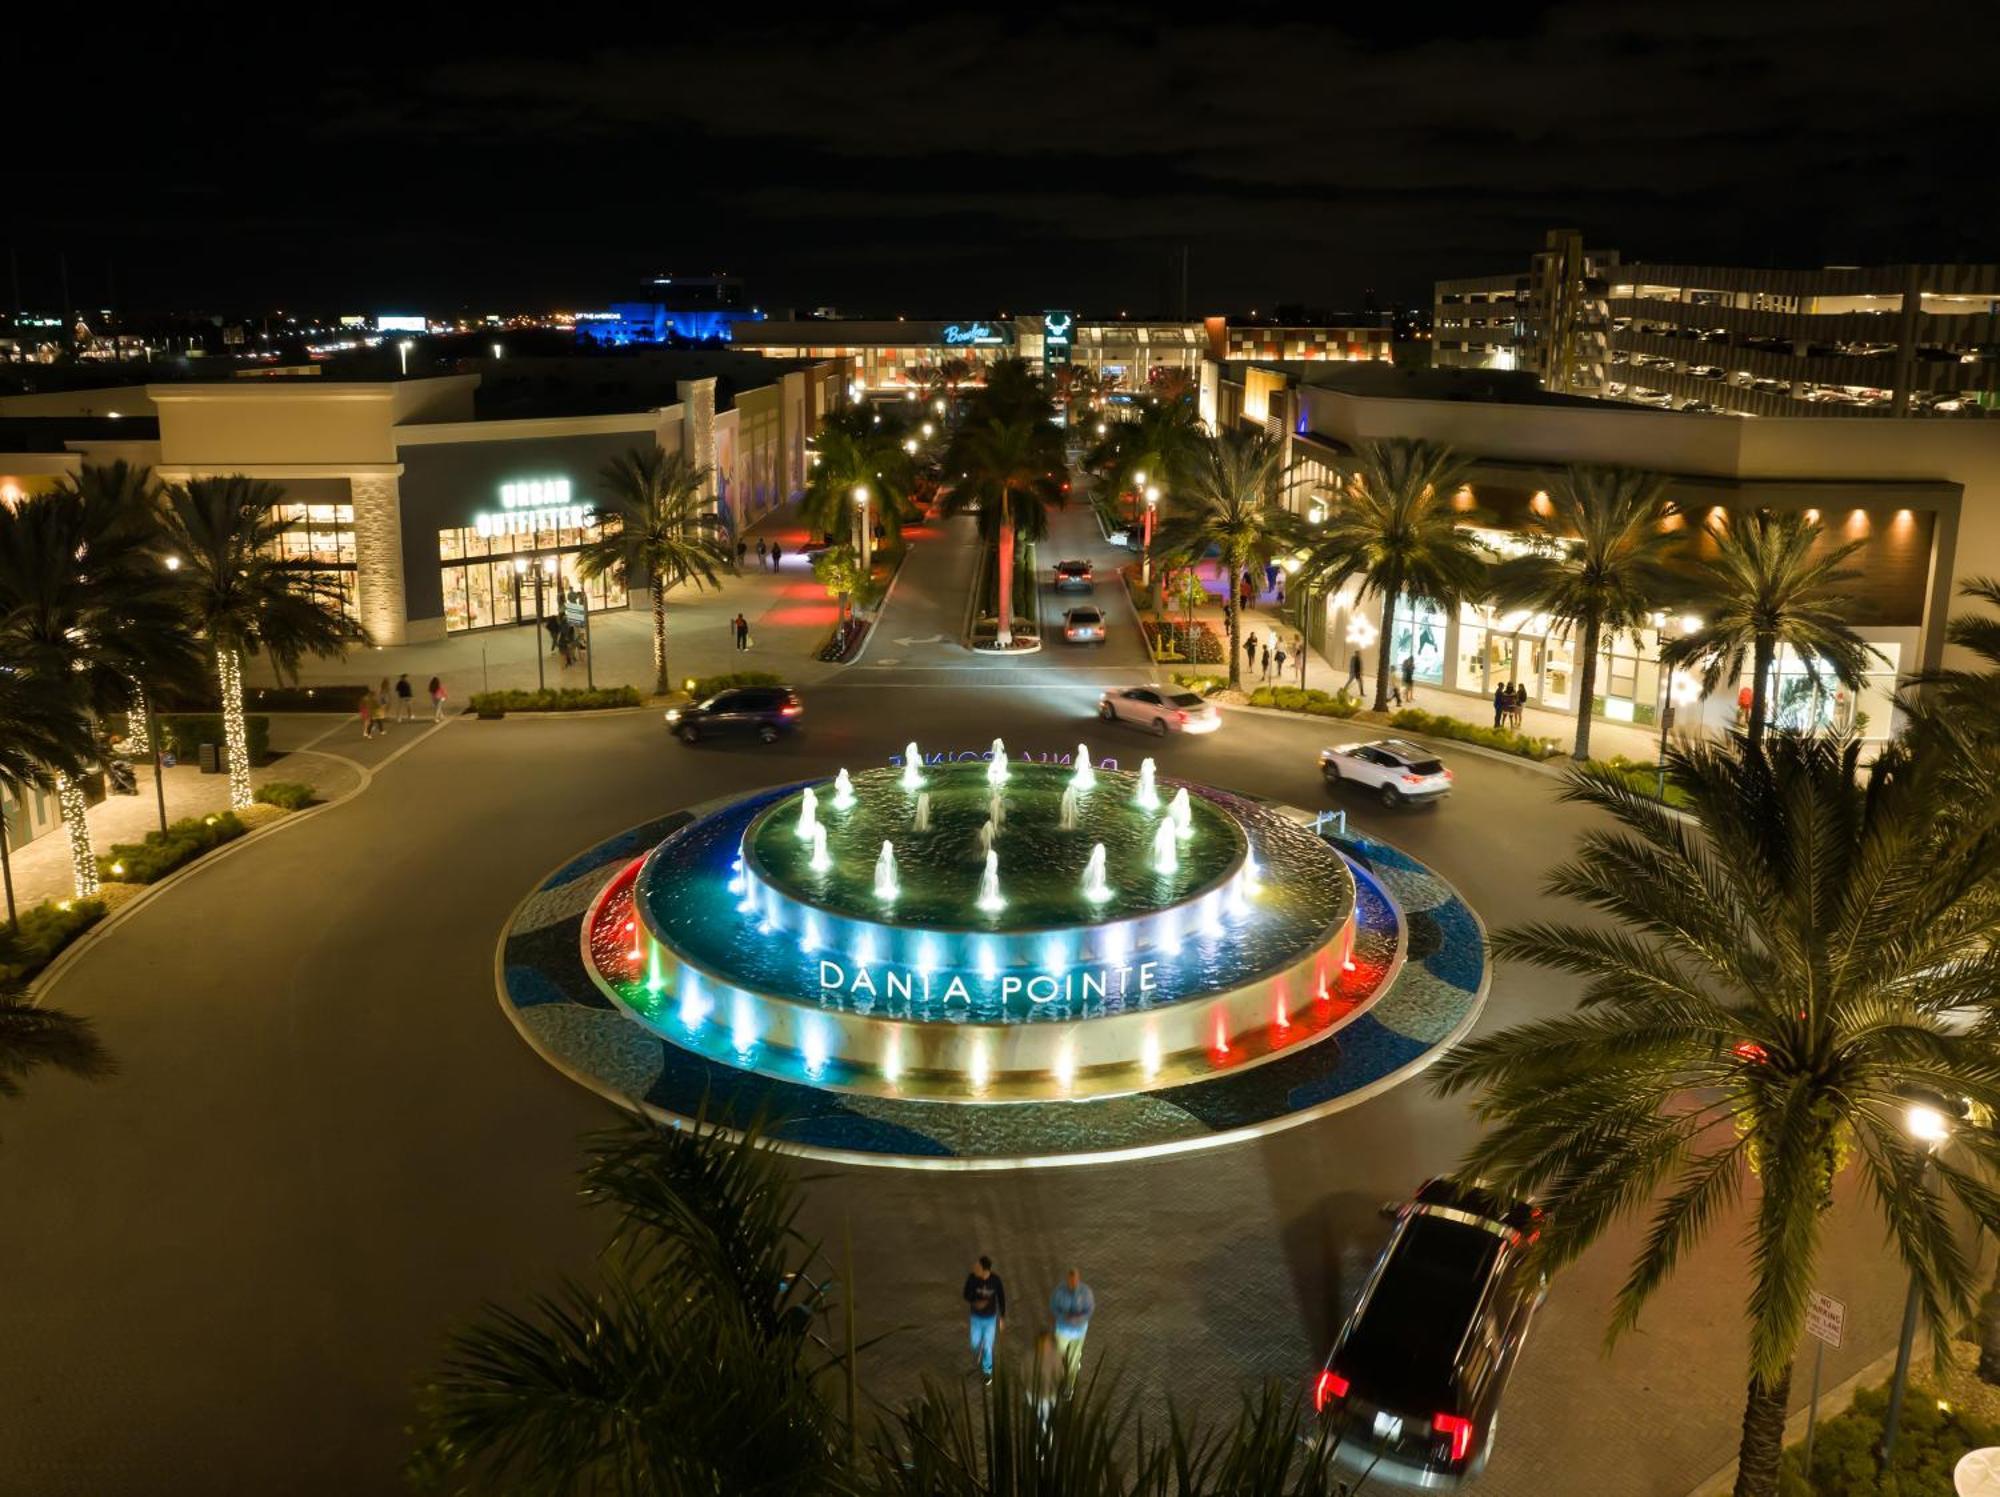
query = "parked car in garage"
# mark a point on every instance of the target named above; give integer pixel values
(1396, 771)
(1084, 626)
(1416, 1374)
(762, 712)
(1162, 709)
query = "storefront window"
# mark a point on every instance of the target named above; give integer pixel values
(1800, 703)
(485, 589)
(319, 540)
(1420, 626)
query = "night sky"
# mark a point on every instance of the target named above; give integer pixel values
(928, 161)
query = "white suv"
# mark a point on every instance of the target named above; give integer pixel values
(1399, 772)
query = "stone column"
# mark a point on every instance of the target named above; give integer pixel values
(378, 556)
(697, 398)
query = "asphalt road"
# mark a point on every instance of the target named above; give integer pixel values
(226, 1268)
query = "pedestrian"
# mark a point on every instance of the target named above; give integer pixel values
(1409, 678)
(762, 551)
(366, 709)
(776, 552)
(1520, 701)
(382, 695)
(742, 627)
(986, 1311)
(1278, 599)
(1072, 1305)
(1281, 662)
(1503, 703)
(1250, 651)
(403, 694)
(555, 627)
(743, 550)
(437, 700)
(1354, 673)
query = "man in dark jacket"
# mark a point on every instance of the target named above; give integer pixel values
(986, 1302)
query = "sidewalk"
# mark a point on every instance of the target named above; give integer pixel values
(789, 613)
(42, 870)
(1606, 738)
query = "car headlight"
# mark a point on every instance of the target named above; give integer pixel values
(673, 714)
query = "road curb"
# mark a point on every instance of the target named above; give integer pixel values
(887, 593)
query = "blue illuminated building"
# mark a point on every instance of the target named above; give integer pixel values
(698, 309)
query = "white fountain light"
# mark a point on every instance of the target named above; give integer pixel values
(1166, 848)
(996, 767)
(821, 859)
(809, 933)
(1149, 1055)
(996, 811)
(989, 885)
(1148, 796)
(1066, 817)
(1065, 1065)
(1095, 888)
(843, 791)
(977, 1067)
(989, 961)
(1181, 814)
(808, 814)
(813, 1049)
(923, 818)
(913, 771)
(1085, 778)
(743, 1026)
(892, 1057)
(1253, 872)
(885, 873)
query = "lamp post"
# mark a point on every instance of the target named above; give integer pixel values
(520, 569)
(1928, 1128)
(1152, 508)
(867, 536)
(403, 348)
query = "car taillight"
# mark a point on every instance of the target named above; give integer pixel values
(1455, 1429)
(1181, 716)
(1447, 774)
(791, 711)
(1331, 1385)
(1413, 779)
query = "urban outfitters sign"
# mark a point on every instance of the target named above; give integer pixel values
(533, 504)
(908, 985)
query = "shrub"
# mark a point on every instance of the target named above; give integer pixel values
(1930, 1441)
(703, 687)
(161, 853)
(1640, 774)
(1309, 700)
(1171, 639)
(554, 699)
(1201, 684)
(183, 734)
(288, 795)
(1506, 740)
(47, 928)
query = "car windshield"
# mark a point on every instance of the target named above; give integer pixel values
(1184, 699)
(1084, 615)
(1403, 1351)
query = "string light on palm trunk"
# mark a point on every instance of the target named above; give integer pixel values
(139, 723)
(83, 859)
(235, 734)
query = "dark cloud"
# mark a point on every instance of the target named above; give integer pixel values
(926, 159)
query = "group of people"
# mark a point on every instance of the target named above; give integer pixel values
(1508, 700)
(1058, 1350)
(565, 639)
(376, 706)
(771, 553)
(1271, 651)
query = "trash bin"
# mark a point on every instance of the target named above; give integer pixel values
(211, 759)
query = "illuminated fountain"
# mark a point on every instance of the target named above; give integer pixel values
(880, 954)
(913, 772)
(1085, 778)
(996, 767)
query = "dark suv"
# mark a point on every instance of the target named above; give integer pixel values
(1416, 1374)
(742, 711)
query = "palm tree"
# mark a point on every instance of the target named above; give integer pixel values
(1971, 697)
(1599, 565)
(130, 492)
(1163, 443)
(1765, 588)
(243, 598)
(857, 452)
(1014, 393)
(1773, 991)
(43, 732)
(1394, 531)
(693, 1364)
(1078, 389)
(1227, 502)
(86, 609)
(1009, 475)
(1171, 385)
(656, 527)
(34, 1038)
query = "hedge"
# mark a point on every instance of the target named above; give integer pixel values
(1309, 700)
(161, 853)
(1641, 776)
(1199, 684)
(1930, 1441)
(288, 795)
(1170, 639)
(1506, 740)
(554, 699)
(45, 929)
(183, 734)
(701, 688)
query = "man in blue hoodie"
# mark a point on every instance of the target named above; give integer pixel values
(986, 1300)
(1072, 1305)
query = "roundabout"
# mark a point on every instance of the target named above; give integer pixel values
(992, 963)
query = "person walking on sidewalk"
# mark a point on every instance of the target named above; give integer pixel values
(776, 552)
(382, 695)
(1281, 661)
(366, 709)
(762, 551)
(437, 700)
(743, 550)
(986, 1306)
(742, 627)
(1072, 1305)
(403, 695)
(1503, 703)
(1354, 673)
(1409, 678)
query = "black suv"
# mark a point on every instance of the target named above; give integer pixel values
(762, 711)
(1416, 1374)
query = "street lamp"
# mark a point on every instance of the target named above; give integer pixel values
(1928, 1127)
(403, 352)
(520, 569)
(1152, 506)
(173, 563)
(861, 518)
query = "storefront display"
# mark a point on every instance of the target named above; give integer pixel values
(489, 580)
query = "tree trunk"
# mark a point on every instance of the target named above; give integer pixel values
(82, 856)
(1765, 653)
(1989, 1330)
(235, 733)
(1586, 689)
(1383, 646)
(1005, 602)
(1235, 631)
(660, 685)
(1763, 1437)
(7, 872)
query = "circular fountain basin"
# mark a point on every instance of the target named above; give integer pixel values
(750, 953)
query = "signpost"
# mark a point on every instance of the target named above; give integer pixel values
(576, 613)
(1826, 1319)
